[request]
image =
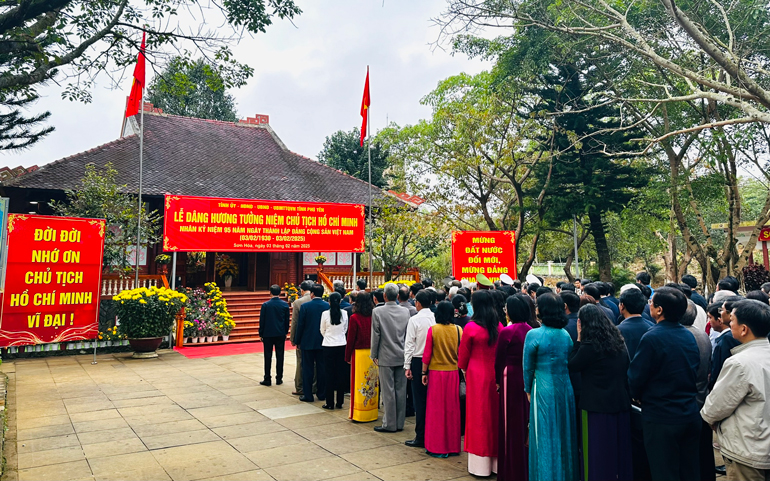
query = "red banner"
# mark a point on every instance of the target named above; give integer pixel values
(240, 225)
(53, 280)
(764, 235)
(483, 252)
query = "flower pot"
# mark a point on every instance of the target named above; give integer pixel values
(228, 281)
(215, 338)
(224, 338)
(209, 339)
(145, 347)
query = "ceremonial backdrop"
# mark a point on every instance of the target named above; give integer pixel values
(241, 225)
(483, 252)
(53, 279)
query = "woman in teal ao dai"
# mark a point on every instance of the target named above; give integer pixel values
(552, 431)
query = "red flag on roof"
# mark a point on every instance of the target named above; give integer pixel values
(365, 103)
(135, 97)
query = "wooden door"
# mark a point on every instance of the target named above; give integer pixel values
(279, 267)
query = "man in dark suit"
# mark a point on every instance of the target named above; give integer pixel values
(633, 326)
(309, 339)
(345, 302)
(273, 327)
(698, 299)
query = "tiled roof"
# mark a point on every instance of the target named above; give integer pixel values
(188, 156)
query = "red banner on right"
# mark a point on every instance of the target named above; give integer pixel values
(483, 252)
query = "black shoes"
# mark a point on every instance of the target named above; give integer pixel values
(328, 406)
(306, 399)
(722, 470)
(338, 406)
(413, 443)
(266, 383)
(278, 382)
(380, 429)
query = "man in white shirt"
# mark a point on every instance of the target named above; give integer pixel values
(737, 406)
(414, 346)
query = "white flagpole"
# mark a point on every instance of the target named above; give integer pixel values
(139, 212)
(369, 143)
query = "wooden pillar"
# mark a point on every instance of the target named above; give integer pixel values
(251, 281)
(211, 258)
(764, 254)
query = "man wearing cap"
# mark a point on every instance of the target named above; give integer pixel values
(506, 280)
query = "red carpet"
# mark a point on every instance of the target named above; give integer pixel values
(224, 350)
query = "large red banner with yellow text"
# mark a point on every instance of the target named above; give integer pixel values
(53, 280)
(242, 225)
(483, 252)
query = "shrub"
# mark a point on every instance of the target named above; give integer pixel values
(754, 275)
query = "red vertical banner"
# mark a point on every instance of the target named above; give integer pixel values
(483, 252)
(53, 279)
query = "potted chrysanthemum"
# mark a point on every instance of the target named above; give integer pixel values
(145, 315)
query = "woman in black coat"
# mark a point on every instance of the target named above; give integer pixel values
(601, 358)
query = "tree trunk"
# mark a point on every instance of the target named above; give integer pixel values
(524, 270)
(568, 268)
(602, 249)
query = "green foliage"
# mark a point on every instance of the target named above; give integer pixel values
(620, 276)
(403, 238)
(99, 196)
(472, 161)
(72, 42)
(193, 89)
(343, 151)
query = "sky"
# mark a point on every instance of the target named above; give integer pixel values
(309, 78)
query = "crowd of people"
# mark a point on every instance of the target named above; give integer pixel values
(570, 383)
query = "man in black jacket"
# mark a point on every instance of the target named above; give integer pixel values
(698, 299)
(273, 327)
(663, 376)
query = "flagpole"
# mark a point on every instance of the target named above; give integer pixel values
(369, 150)
(139, 212)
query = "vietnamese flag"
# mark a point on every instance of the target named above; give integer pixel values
(365, 103)
(135, 97)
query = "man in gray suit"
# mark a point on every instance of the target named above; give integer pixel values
(389, 323)
(305, 288)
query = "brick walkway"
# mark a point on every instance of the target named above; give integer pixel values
(188, 419)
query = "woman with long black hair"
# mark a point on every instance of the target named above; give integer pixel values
(334, 325)
(440, 374)
(364, 379)
(477, 359)
(552, 428)
(514, 407)
(601, 358)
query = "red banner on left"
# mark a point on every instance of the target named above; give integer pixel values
(53, 279)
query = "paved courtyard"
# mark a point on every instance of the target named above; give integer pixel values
(188, 419)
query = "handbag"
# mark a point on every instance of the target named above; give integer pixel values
(462, 377)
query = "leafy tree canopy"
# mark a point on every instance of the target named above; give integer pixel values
(100, 196)
(343, 151)
(192, 89)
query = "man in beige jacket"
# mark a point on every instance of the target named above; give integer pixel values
(737, 408)
(305, 288)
